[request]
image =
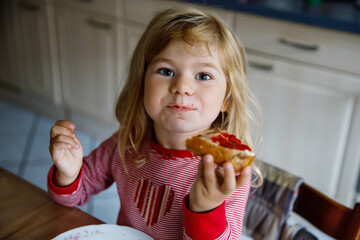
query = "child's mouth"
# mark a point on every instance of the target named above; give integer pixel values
(182, 108)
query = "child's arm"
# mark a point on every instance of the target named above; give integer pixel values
(214, 218)
(95, 175)
(66, 152)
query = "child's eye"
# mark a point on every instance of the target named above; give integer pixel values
(203, 76)
(166, 72)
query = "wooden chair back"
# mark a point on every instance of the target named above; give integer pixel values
(327, 215)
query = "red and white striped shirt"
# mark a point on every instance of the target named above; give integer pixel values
(155, 199)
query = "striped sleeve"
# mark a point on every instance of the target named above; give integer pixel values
(224, 222)
(66, 190)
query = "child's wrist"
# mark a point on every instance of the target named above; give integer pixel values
(202, 208)
(61, 180)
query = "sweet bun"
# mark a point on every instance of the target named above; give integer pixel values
(224, 147)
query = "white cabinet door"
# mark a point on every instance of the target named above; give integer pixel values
(308, 115)
(36, 65)
(88, 56)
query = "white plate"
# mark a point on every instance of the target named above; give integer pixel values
(103, 231)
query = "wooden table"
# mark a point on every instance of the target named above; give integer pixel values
(27, 212)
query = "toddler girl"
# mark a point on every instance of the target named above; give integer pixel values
(187, 76)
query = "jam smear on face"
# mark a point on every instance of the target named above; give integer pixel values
(230, 141)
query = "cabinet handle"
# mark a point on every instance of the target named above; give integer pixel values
(299, 44)
(29, 6)
(261, 66)
(99, 24)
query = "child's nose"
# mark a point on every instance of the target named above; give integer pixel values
(183, 85)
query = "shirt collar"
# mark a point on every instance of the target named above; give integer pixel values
(171, 153)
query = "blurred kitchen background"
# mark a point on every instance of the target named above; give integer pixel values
(67, 59)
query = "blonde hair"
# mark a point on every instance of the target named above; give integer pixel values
(193, 27)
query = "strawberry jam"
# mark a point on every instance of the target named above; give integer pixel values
(230, 141)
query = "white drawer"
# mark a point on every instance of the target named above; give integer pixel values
(323, 47)
(109, 7)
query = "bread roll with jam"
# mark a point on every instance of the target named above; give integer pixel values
(224, 147)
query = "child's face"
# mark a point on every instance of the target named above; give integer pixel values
(184, 88)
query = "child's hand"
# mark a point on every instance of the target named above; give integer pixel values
(66, 152)
(212, 187)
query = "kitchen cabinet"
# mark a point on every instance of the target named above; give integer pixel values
(38, 59)
(92, 59)
(310, 100)
(306, 118)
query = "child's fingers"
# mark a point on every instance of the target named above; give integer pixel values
(209, 172)
(65, 123)
(57, 147)
(77, 140)
(244, 176)
(229, 182)
(65, 139)
(61, 130)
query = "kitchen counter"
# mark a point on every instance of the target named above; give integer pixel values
(337, 15)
